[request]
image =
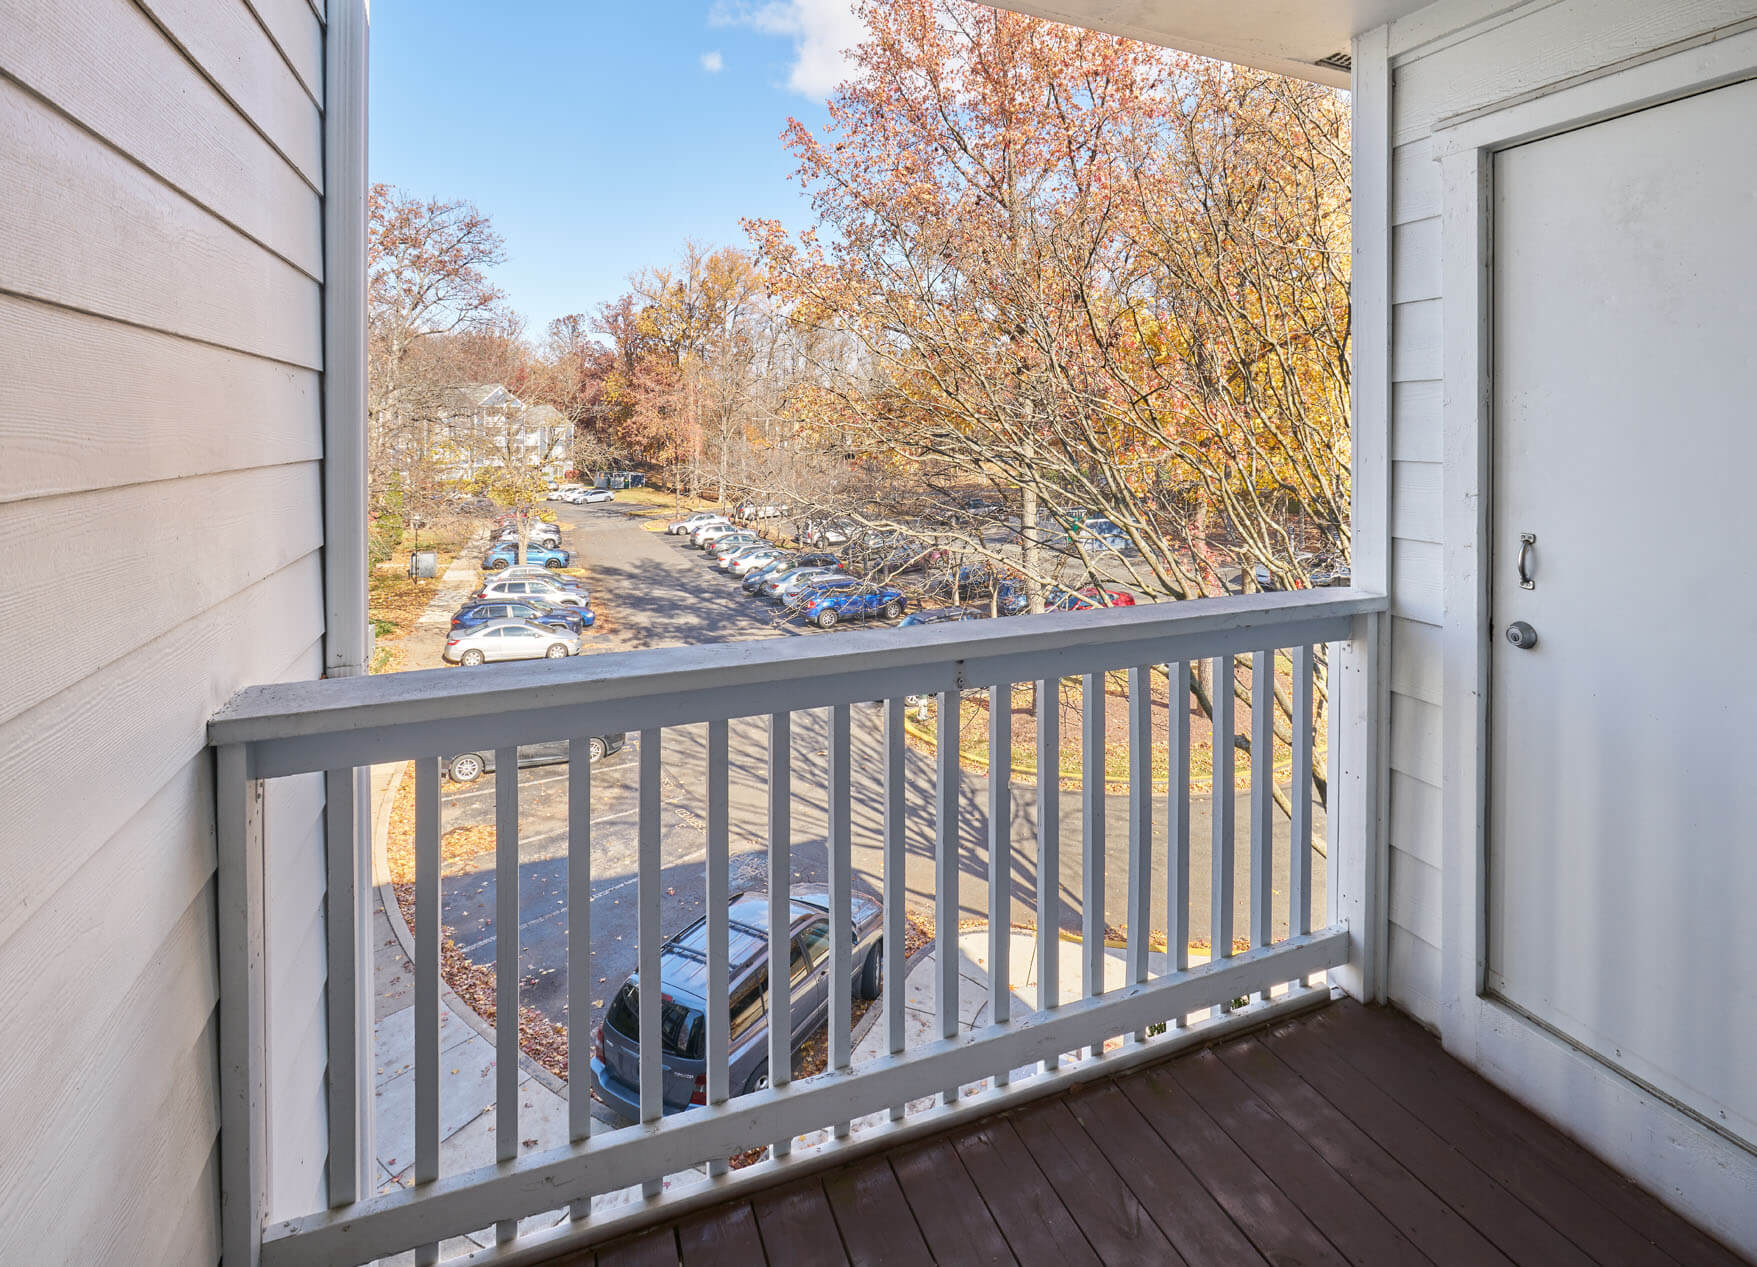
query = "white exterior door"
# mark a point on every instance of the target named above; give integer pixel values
(1622, 816)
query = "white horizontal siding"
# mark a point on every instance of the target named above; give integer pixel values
(161, 429)
(190, 408)
(89, 60)
(87, 228)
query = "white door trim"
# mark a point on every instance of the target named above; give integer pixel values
(1667, 1150)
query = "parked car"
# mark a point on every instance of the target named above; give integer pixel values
(758, 510)
(1100, 536)
(683, 985)
(688, 524)
(824, 532)
(509, 640)
(561, 493)
(712, 532)
(588, 496)
(724, 558)
(531, 587)
(467, 767)
(526, 571)
(1086, 598)
(505, 554)
(782, 584)
(899, 560)
(472, 615)
(941, 616)
(726, 542)
(832, 604)
(538, 534)
(753, 559)
(810, 590)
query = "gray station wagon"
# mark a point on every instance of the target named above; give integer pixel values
(683, 1023)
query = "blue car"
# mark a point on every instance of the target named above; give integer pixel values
(941, 616)
(507, 553)
(555, 616)
(825, 607)
(1010, 599)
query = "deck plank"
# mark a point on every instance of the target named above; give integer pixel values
(655, 1247)
(1635, 1206)
(1346, 1218)
(1262, 1211)
(1499, 1215)
(1203, 1232)
(948, 1209)
(796, 1224)
(1427, 1094)
(1442, 1233)
(1038, 1227)
(725, 1236)
(878, 1229)
(1116, 1225)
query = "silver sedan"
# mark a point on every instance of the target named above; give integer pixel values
(510, 640)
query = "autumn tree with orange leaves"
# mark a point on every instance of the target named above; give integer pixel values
(1096, 274)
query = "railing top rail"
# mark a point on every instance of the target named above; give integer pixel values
(294, 727)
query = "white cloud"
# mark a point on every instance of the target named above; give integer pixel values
(822, 32)
(713, 63)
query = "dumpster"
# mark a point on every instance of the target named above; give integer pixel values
(423, 565)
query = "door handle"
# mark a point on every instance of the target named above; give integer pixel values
(1526, 541)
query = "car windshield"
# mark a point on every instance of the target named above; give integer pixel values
(680, 1027)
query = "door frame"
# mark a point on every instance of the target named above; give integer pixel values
(1698, 1167)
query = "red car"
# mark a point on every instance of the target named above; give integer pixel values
(1087, 598)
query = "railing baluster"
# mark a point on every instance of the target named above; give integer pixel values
(1000, 857)
(841, 846)
(1140, 824)
(896, 885)
(780, 908)
(352, 1159)
(648, 881)
(1299, 835)
(945, 860)
(579, 948)
(427, 938)
(1263, 800)
(1049, 829)
(1220, 863)
(1177, 826)
(719, 897)
(1092, 840)
(506, 966)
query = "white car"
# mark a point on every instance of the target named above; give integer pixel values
(685, 526)
(565, 491)
(760, 510)
(743, 561)
(586, 496)
(788, 584)
(707, 534)
(533, 587)
(510, 640)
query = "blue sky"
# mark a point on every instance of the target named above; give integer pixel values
(593, 132)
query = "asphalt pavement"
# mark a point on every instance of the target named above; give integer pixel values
(653, 591)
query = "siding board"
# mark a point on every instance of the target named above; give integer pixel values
(190, 408)
(1415, 896)
(1418, 667)
(1415, 182)
(91, 59)
(248, 526)
(1415, 501)
(224, 39)
(1417, 431)
(1415, 818)
(1415, 738)
(1414, 975)
(1417, 582)
(1415, 261)
(88, 229)
(1415, 341)
(298, 34)
(130, 728)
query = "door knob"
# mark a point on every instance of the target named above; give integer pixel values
(1522, 635)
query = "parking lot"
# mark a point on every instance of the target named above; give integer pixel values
(654, 591)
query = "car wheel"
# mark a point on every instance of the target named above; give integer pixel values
(893, 609)
(872, 976)
(465, 769)
(557, 651)
(826, 620)
(471, 657)
(494, 565)
(552, 563)
(759, 1079)
(595, 750)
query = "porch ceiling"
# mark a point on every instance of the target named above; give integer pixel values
(1288, 36)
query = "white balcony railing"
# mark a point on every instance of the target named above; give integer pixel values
(337, 727)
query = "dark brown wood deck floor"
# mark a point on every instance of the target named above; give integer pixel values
(1344, 1136)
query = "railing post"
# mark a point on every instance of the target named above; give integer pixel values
(1355, 874)
(243, 1078)
(348, 921)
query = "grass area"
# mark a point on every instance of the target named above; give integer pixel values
(395, 601)
(657, 501)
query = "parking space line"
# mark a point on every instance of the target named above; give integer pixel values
(548, 778)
